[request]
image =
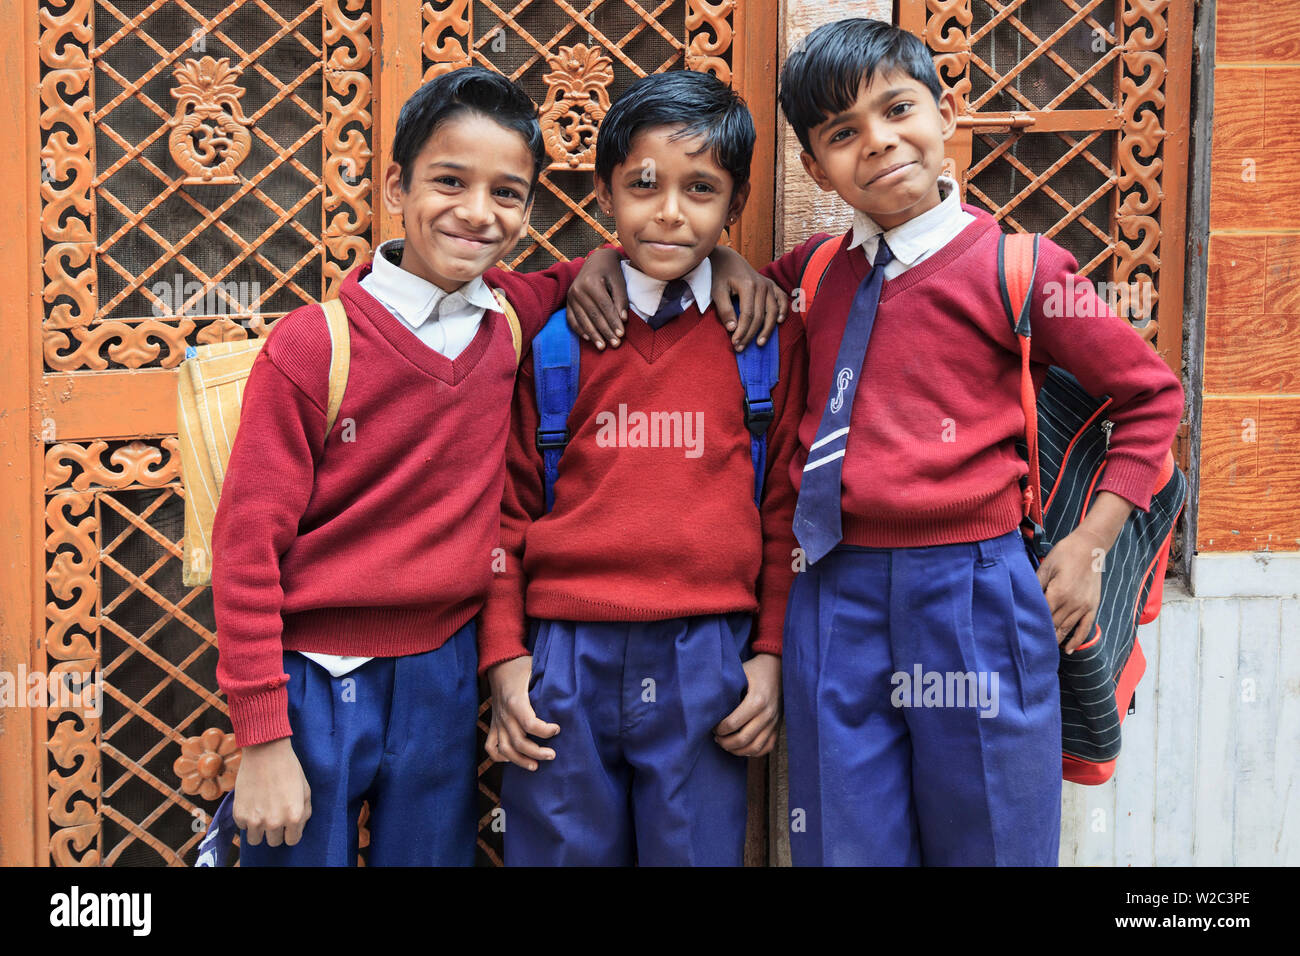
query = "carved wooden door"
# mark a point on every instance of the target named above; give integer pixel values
(187, 171)
(1074, 122)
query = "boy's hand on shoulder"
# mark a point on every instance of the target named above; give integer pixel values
(750, 729)
(513, 718)
(597, 303)
(1070, 576)
(762, 303)
(272, 798)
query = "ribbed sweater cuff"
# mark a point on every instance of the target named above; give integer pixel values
(260, 718)
(1130, 477)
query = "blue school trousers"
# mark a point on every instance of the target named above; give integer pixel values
(398, 732)
(637, 776)
(922, 708)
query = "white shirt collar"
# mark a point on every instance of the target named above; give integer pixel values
(414, 299)
(645, 293)
(918, 236)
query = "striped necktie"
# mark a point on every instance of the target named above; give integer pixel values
(817, 519)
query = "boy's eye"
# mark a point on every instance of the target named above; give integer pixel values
(642, 183)
(447, 181)
(700, 188)
(898, 109)
(511, 194)
(840, 135)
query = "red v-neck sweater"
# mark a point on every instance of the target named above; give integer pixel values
(376, 540)
(650, 533)
(931, 454)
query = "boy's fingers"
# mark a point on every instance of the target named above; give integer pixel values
(530, 750)
(771, 315)
(726, 314)
(738, 718)
(620, 305)
(253, 833)
(1068, 621)
(536, 727)
(274, 836)
(1083, 632)
(745, 320)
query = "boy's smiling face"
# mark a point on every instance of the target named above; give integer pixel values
(670, 200)
(883, 155)
(468, 200)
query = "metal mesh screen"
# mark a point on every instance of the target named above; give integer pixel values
(1064, 76)
(255, 243)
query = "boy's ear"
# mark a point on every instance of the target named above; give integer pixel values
(948, 113)
(816, 172)
(394, 194)
(604, 197)
(739, 196)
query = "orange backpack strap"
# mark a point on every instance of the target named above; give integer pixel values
(1017, 263)
(815, 268)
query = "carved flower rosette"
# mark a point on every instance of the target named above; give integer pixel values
(208, 764)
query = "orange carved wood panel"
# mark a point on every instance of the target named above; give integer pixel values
(205, 167)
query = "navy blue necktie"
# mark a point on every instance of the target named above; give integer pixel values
(670, 305)
(817, 519)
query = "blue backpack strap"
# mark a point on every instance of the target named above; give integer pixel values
(555, 374)
(760, 367)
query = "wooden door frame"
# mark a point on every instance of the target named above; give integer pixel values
(22, 578)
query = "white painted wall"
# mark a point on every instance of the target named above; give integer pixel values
(1208, 774)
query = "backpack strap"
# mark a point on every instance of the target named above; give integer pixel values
(1017, 263)
(336, 319)
(760, 367)
(814, 270)
(512, 319)
(555, 378)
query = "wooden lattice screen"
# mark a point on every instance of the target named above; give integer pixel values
(1069, 126)
(205, 166)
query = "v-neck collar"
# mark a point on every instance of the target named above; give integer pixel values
(407, 344)
(652, 344)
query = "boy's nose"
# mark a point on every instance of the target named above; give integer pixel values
(878, 137)
(669, 210)
(475, 208)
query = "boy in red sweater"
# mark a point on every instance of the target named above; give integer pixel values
(349, 567)
(909, 497)
(642, 580)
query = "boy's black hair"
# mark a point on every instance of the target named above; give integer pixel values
(469, 89)
(699, 101)
(824, 72)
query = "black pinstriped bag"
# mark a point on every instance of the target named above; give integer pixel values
(1067, 436)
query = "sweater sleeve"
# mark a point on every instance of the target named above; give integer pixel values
(268, 483)
(1074, 328)
(777, 572)
(535, 295)
(502, 625)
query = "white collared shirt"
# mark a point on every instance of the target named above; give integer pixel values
(920, 237)
(444, 321)
(644, 293)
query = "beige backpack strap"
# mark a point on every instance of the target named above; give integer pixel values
(516, 333)
(340, 358)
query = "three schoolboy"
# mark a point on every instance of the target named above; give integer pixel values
(907, 515)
